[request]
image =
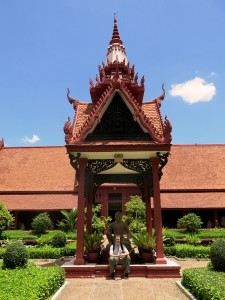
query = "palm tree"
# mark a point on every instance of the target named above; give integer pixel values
(69, 220)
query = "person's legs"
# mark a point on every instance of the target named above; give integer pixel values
(126, 264)
(113, 261)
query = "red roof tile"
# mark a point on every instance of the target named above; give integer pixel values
(35, 169)
(39, 202)
(192, 200)
(194, 167)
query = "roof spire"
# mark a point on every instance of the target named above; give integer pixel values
(115, 36)
(116, 49)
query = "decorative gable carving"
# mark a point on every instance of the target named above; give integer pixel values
(118, 123)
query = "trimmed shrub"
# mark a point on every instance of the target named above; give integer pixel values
(18, 235)
(191, 222)
(69, 249)
(16, 256)
(59, 240)
(6, 219)
(30, 283)
(168, 239)
(204, 283)
(217, 255)
(41, 223)
(190, 251)
(170, 250)
(46, 252)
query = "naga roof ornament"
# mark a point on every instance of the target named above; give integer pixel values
(117, 76)
(1, 144)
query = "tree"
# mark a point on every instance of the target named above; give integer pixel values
(69, 221)
(136, 214)
(6, 219)
(41, 223)
(191, 223)
(99, 223)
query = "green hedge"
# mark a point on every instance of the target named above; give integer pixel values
(47, 252)
(28, 235)
(204, 283)
(187, 251)
(213, 233)
(30, 283)
(18, 235)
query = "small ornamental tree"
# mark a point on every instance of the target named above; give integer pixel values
(191, 223)
(41, 223)
(99, 223)
(135, 214)
(6, 219)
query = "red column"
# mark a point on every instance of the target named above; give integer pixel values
(80, 213)
(89, 209)
(157, 211)
(148, 208)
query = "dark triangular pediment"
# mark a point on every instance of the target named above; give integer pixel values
(117, 123)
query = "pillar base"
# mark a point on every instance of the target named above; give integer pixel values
(160, 261)
(79, 261)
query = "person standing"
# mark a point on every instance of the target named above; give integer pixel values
(118, 255)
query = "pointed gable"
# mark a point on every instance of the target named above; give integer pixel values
(117, 123)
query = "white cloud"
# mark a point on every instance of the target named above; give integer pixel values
(212, 74)
(35, 138)
(193, 91)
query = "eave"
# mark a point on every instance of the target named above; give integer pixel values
(137, 150)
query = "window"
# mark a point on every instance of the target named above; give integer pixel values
(115, 196)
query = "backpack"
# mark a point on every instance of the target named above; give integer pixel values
(121, 245)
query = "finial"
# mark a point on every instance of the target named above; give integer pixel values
(115, 36)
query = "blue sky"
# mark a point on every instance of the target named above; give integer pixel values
(49, 46)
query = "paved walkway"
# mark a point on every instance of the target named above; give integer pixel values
(133, 288)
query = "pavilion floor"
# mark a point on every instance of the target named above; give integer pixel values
(147, 270)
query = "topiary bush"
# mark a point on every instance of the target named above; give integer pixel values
(15, 256)
(59, 240)
(217, 255)
(41, 223)
(191, 223)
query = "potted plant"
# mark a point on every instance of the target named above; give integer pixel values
(93, 244)
(146, 245)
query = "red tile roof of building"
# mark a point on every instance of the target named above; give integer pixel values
(193, 177)
(45, 202)
(194, 167)
(192, 200)
(35, 169)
